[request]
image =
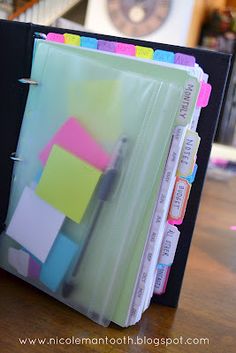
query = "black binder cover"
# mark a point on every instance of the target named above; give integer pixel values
(15, 62)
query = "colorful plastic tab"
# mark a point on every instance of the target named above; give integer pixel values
(192, 177)
(68, 183)
(106, 45)
(56, 37)
(88, 42)
(72, 39)
(125, 49)
(162, 276)
(204, 94)
(144, 52)
(183, 59)
(164, 56)
(179, 201)
(58, 262)
(74, 138)
(188, 154)
(35, 224)
(169, 245)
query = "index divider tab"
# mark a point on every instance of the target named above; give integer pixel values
(88, 42)
(179, 201)
(188, 154)
(164, 56)
(144, 52)
(192, 177)
(106, 45)
(125, 49)
(183, 59)
(55, 37)
(169, 245)
(162, 275)
(72, 39)
(204, 94)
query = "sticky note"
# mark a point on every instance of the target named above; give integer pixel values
(72, 39)
(125, 49)
(68, 183)
(164, 56)
(74, 138)
(35, 224)
(58, 262)
(144, 52)
(19, 260)
(106, 45)
(88, 42)
(183, 59)
(56, 37)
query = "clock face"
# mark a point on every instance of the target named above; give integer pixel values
(138, 18)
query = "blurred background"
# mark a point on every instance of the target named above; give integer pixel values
(209, 24)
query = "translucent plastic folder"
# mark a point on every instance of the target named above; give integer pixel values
(103, 169)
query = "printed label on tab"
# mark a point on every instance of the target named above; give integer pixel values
(169, 245)
(56, 37)
(72, 39)
(162, 276)
(144, 52)
(187, 99)
(179, 201)
(188, 154)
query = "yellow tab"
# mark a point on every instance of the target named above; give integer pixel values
(144, 52)
(72, 39)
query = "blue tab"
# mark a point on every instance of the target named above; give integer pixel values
(164, 56)
(191, 177)
(89, 42)
(58, 262)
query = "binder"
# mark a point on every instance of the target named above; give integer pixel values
(145, 70)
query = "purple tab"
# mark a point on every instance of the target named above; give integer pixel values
(183, 59)
(34, 268)
(106, 46)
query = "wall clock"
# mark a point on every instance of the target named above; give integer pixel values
(137, 18)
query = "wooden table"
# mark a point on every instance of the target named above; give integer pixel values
(207, 307)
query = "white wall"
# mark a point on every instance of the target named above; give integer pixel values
(173, 31)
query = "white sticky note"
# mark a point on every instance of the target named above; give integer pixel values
(19, 259)
(35, 224)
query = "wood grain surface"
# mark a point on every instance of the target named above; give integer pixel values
(207, 307)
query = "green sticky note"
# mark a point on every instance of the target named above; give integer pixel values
(67, 183)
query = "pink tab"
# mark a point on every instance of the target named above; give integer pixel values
(204, 94)
(183, 59)
(56, 37)
(125, 49)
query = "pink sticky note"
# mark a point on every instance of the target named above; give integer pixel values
(204, 94)
(73, 138)
(125, 49)
(56, 37)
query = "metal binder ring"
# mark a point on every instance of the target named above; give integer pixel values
(14, 158)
